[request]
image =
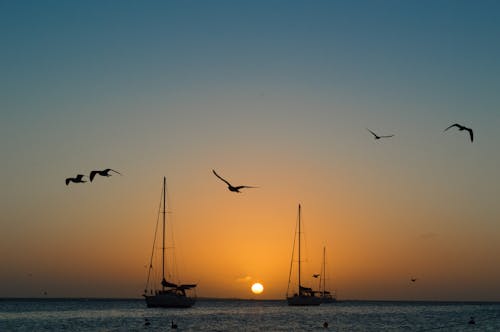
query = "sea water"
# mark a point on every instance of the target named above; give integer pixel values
(245, 315)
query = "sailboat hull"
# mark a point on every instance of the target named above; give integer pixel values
(169, 301)
(301, 300)
(328, 299)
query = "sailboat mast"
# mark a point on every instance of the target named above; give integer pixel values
(299, 250)
(163, 243)
(324, 270)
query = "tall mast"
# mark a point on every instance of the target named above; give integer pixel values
(299, 250)
(324, 270)
(163, 243)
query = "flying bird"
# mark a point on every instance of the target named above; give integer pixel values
(76, 179)
(316, 275)
(460, 128)
(230, 186)
(378, 136)
(104, 172)
(413, 279)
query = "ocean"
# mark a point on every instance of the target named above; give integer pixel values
(245, 315)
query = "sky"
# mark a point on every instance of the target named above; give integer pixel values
(274, 94)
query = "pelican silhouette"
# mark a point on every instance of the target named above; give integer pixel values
(378, 136)
(231, 187)
(76, 179)
(460, 128)
(104, 172)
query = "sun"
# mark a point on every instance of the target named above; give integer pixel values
(257, 288)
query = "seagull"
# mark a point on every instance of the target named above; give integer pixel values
(316, 275)
(77, 179)
(460, 127)
(229, 186)
(377, 136)
(104, 172)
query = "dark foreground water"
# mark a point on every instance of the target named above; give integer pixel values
(236, 315)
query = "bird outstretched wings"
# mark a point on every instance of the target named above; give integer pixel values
(104, 172)
(460, 127)
(229, 185)
(379, 136)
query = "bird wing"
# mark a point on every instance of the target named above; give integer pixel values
(68, 180)
(471, 134)
(109, 169)
(92, 175)
(387, 136)
(241, 187)
(217, 175)
(372, 132)
(453, 125)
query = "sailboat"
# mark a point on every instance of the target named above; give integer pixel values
(304, 296)
(326, 296)
(169, 295)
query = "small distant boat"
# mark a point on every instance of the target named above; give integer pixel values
(326, 296)
(170, 295)
(304, 296)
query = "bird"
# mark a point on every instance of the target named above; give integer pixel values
(173, 325)
(316, 275)
(413, 279)
(460, 128)
(147, 322)
(378, 136)
(325, 325)
(76, 179)
(104, 172)
(229, 186)
(472, 321)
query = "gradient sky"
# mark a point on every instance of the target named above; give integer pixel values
(276, 94)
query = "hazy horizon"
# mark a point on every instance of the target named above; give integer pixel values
(274, 94)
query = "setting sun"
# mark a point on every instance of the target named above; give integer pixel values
(257, 288)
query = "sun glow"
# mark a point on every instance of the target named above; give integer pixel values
(257, 288)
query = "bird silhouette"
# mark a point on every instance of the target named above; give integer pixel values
(173, 325)
(231, 187)
(76, 179)
(316, 275)
(104, 172)
(378, 136)
(460, 128)
(413, 279)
